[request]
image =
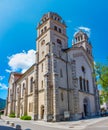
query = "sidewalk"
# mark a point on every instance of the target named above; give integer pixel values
(81, 124)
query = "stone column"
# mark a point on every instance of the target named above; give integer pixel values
(55, 89)
(35, 94)
(18, 105)
(11, 103)
(47, 110)
(25, 102)
(47, 98)
(18, 102)
(6, 109)
(14, 97)
(75, 90)
(25, 97)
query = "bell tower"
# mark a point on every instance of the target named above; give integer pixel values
(51, 29)
(82, 40)
(50, 42)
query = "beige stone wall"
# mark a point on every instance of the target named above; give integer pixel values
(9, 106)
(81, 60)
(63, 103)
(31, 75)
(30, 101)
(61, 66)
(40, 102)
(29, 96)
(21, 107)
(41, 75)
(92, 102)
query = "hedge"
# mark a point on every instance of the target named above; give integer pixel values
(12, 115)
(25, 117)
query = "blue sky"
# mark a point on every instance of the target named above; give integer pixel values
(18, 22)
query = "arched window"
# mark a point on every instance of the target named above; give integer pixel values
(45, 28)
(80, 82)
(55, 28)
(59, 41)
(42, 67)
(55, 18)
(59, 30)
(62, 96)
(78, 38)
(42, 31)
(31, 84)
(81, 38)
(23, 87)
(87, 86)
(83, 69)
(84, 85)
(43, 42)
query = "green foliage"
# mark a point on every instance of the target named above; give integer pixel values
(12, 115)
(102, 80)
(102, 73)
(25, 117)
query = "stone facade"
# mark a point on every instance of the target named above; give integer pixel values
(61, 81)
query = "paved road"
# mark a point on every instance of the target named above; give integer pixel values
(102, 125)
(90, 124)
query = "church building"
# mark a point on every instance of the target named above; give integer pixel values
(61, 83)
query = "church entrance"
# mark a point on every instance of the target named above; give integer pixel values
(42, 112)
(86, 107)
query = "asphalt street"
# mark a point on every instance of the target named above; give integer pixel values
(100, 123)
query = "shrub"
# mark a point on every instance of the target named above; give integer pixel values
(25, 117)
(12, 115)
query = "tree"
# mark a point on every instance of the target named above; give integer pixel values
(102, 74)
(102, 79)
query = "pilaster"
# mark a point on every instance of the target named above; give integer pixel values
(48, 100)
(25, 98)
(18, 102)
(75, 90)
(55, 89)
(11, 103)
(35, 94)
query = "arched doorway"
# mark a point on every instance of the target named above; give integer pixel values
(42, 111)
(86, 107)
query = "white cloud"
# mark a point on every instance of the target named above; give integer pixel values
(21, 61)
(84, 29)
(9, 71)
(2, 77)
(3, 86)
